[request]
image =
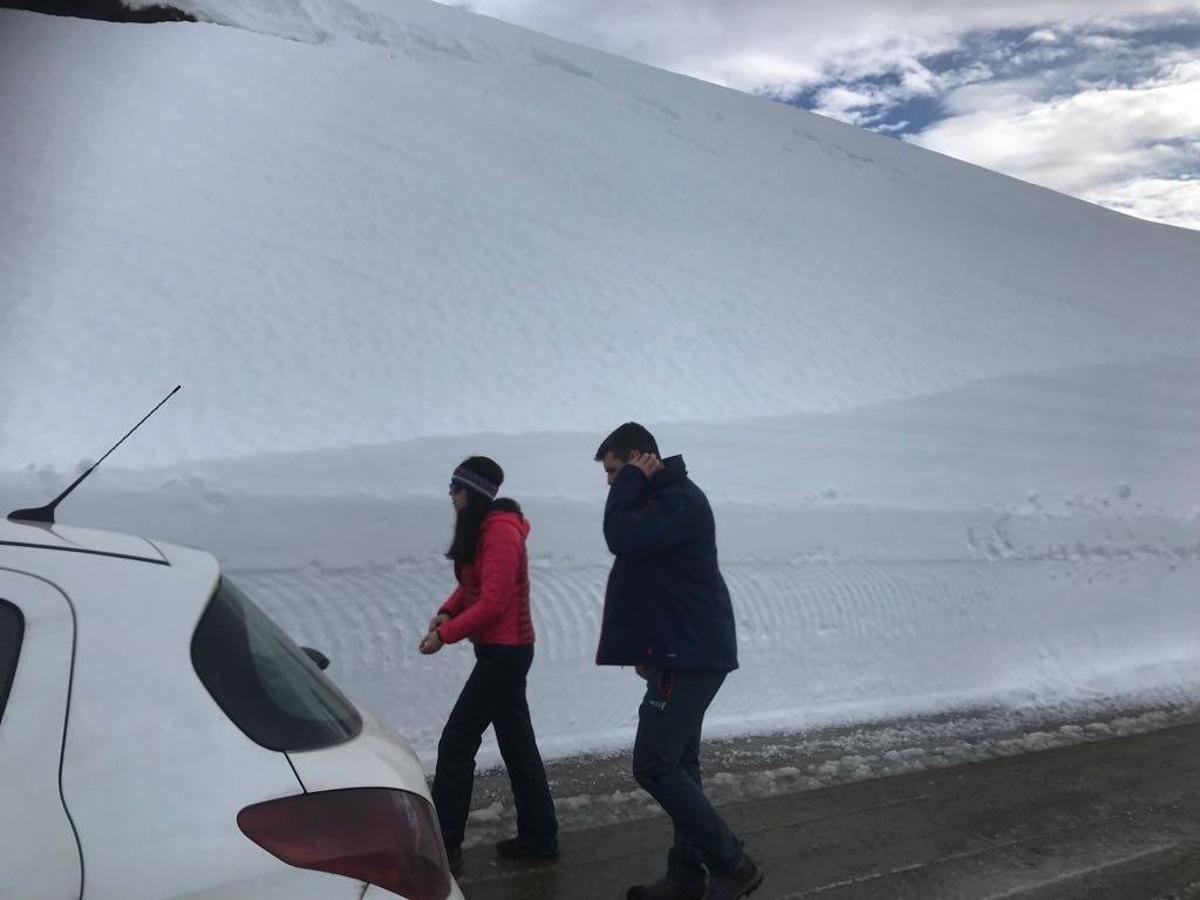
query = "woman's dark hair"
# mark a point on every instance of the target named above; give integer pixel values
(470, 518)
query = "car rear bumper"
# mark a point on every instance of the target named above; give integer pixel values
(378, 893)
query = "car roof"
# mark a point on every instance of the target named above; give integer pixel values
(68, 539)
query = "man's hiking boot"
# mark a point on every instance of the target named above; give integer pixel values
(742, 881)
(667, 889)
(520, 848)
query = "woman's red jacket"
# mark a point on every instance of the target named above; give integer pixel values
(491, 603)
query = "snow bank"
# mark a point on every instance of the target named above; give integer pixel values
(946, 418)
(927, 556)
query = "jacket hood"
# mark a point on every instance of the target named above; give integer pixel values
(504, 519)
(673, 470)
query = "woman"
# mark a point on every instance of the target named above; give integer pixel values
(491, 607)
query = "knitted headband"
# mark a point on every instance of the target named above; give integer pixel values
(475, 482)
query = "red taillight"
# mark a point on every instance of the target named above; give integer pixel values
(386, 837)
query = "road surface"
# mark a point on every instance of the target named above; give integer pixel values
(1112, 819)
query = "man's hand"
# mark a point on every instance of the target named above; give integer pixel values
(648, 463)
(439, 619)
(431, 643)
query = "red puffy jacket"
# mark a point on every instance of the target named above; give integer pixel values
(491, 603)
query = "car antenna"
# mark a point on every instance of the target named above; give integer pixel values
(45, 513)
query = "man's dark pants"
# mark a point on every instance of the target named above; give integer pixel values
(493, 695)
(666, 763)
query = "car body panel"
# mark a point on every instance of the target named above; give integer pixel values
(374, 892)
(87, 540)
(39, 859)
(154, 773)
(143, 726)
(284, 882)
(378, 757)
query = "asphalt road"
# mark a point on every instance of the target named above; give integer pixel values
(1114, 819)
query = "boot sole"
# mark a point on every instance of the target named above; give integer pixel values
(754, 887)
(528, 854)
(529, 857)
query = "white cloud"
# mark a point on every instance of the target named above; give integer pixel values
(1172, 201)
(867, 103)
(1124, 146)
(1099, 42)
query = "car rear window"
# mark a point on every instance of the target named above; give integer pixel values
(264, 682)
(12, 629)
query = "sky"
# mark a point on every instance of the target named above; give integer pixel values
(1099, 99)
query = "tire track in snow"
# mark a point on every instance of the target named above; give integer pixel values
(819, 641)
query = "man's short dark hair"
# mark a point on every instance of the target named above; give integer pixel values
(625, 440)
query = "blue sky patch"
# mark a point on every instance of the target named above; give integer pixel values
(1063, 62)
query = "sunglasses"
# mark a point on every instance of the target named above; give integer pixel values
(456, 488)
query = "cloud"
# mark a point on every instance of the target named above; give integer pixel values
(868, 101)
(1173, 201)
(1131, 146)
(1044, 36)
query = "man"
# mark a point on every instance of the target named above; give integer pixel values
(667, 612)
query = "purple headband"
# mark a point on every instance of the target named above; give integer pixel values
(475, 482)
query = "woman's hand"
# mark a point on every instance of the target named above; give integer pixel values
(431, 643)
(438, 620)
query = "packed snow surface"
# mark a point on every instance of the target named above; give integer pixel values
(947, 419)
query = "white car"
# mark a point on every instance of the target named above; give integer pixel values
(161, 737)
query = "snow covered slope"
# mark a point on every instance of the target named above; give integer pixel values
(947, 419)
(434, 223)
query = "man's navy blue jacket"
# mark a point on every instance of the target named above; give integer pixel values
(666, 605)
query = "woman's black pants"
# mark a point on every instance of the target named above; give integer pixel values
(494, 695)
